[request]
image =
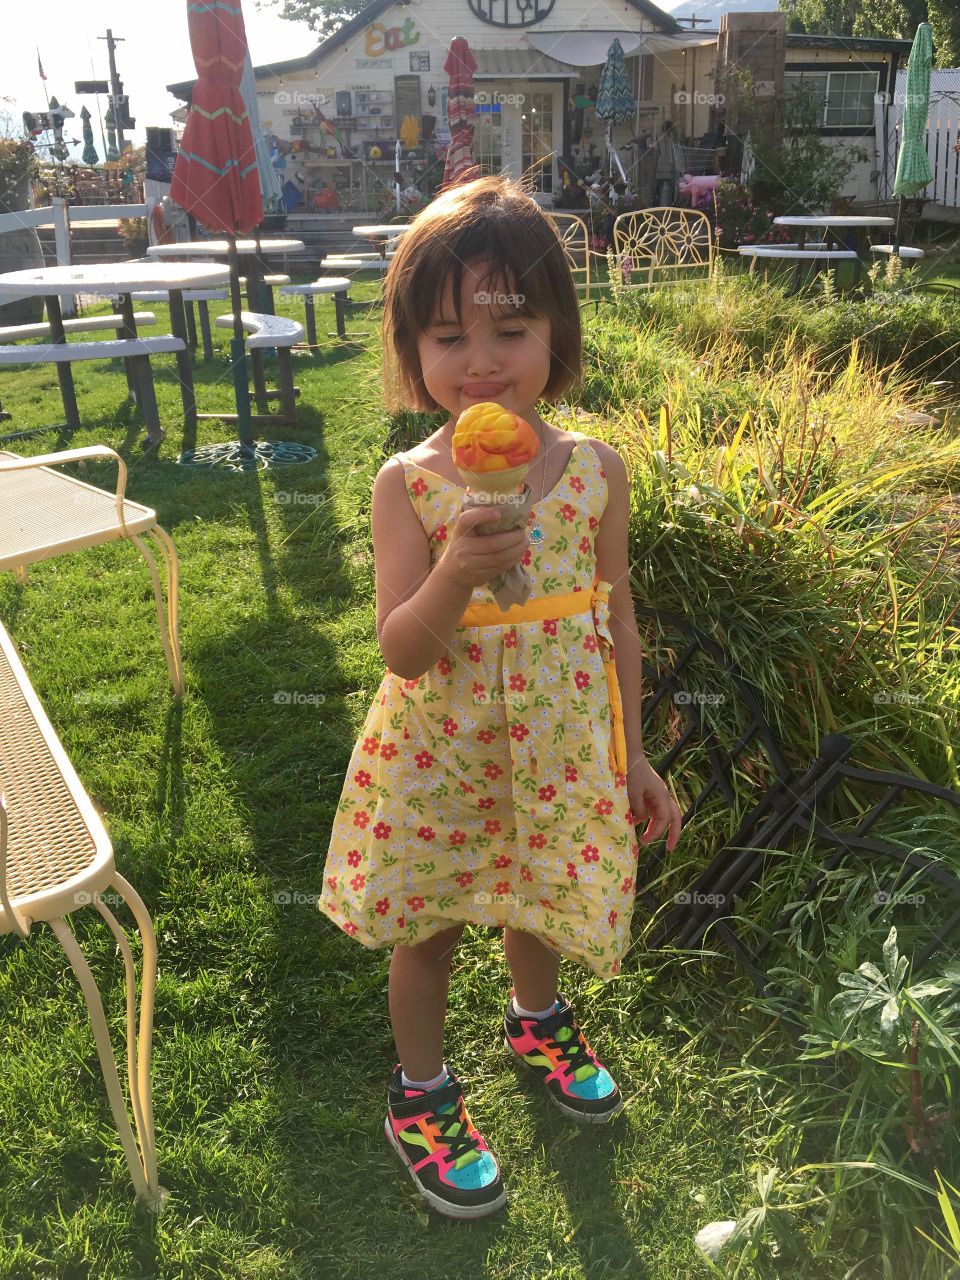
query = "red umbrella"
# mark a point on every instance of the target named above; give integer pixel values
(460, 66)
(215, 176)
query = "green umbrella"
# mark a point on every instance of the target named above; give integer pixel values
(89, 150)
(615, 103)
(913, 165)
(110, 121)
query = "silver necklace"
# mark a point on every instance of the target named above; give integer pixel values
(536, 533)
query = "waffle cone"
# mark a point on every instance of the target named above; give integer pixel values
(495, 481)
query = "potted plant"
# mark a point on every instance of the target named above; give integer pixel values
(133, 232)
(19, 249)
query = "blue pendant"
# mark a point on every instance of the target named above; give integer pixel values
(536, 534)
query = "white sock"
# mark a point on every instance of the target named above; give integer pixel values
(532, 1013)
(423, 1084)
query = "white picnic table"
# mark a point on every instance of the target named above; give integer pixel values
(828, 222)
(381, 232)
(120, 279)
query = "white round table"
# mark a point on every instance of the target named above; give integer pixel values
(802, 223)
(250, 251)
(120, 278)
(380, 233)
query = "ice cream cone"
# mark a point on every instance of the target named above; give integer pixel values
(495, 481)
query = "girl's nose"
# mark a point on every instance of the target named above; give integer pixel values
(481, 360)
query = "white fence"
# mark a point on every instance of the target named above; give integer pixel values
(942, 136)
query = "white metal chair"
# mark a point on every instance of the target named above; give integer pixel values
(45, 513)
(55, 856)
(662, 246)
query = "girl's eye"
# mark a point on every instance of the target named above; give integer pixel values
(513, 333)
(445, 342)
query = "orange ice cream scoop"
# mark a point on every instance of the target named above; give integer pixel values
(492, 445)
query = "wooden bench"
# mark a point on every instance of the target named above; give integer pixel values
(338, 286)
(55, 857)
(85, 324)
(265, 332)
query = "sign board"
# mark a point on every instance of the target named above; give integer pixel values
(91, 86)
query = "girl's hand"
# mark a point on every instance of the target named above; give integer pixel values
(474, 558)
(650, 798)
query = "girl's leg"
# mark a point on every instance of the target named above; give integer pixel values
(534, 968)
(419, 980)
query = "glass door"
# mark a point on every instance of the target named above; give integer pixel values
(539, 118)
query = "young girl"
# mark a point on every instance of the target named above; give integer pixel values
(499, 775)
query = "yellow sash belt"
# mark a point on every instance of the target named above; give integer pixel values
(595, 601)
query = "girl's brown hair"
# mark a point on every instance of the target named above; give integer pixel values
(491, 218)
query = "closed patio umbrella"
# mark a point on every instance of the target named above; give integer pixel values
(913, 164)
(89, 150)
(615, 103)
(271, 191)
(460, 66)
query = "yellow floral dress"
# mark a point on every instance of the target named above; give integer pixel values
(485, 791)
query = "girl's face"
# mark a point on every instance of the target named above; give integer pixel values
(493, 355)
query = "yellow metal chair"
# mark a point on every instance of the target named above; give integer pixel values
(574, 235)
(55, 856)
(46, 513)
(662, 246)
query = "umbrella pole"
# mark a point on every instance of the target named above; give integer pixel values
(238, 349)
(896, 233)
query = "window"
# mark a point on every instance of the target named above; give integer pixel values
(847, 96)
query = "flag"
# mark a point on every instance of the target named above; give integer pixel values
(40, 65)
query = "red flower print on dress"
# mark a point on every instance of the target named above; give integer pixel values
(358, 881)
(603, 473)
(615, 967)
(441, 533)
(603, 807)
(492, 771)
(465, 878)
(419, 487)
(354, 857)
(406, 734)
(582, 679)
(492, 826)
(416, 904)
(545, 902)
(585, 545)
(362, 778)
(424, 759)
(571, 871)
(549, 626)
(577, 484)
(450, 726)
(479, 690)
(504, 860)
(519, 731)
(401, 922)
(567, 512)
(411, 684)
(382, 830)
(361, 818)
(348, 927)
(382, 907)
(612, 918)
(388, 750)
(590, 853)
(547, 793)
(444, 666)
(593, 523)
(486, 802)
(537, 841)
(486, 736)
(590, 643)
(572, 774)
(371, 746)
(332, 882)
(627, 886)
(635, 848)
(518, 683)
(426, 833)
(474, 652)
(458, 837)
(527, 558)
(510, 638)
(502, 886)
(526, 873)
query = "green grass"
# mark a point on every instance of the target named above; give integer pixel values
(272, 1037)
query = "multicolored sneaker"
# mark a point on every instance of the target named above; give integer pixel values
(555, 1049)
(447, 1158)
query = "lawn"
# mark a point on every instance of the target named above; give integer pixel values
(273, 1046)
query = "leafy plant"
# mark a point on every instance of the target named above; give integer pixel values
(18, 164)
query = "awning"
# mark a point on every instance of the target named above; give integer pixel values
(512, 64)
(589, 48)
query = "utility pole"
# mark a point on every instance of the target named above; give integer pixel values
(118, 113)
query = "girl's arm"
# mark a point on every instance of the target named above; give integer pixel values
(418, 610)
(613, 566)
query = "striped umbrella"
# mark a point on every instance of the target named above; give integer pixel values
(459, 66)
(615, 103)
(913, 164)
(111, 125)
(215, 176)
